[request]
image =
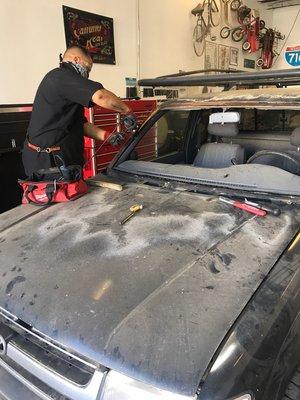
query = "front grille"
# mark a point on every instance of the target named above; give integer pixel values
(43, 366)
(61, 364)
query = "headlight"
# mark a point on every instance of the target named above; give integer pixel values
(121, 387)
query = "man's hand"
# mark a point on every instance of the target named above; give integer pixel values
(130, 122)
(117, 139)
(105, 98)
(94, 132)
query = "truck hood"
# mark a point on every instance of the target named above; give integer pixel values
(152, 299)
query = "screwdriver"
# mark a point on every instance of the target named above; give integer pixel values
(134, 209)
(246, 207)
(270, 210)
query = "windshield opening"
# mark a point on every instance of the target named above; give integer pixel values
(256, 146)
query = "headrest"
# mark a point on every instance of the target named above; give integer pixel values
(295, 137)
(226, 130)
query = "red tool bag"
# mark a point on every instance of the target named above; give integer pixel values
(44, 193)
(50, 186)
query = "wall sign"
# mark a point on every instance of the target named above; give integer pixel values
(92, 31)
(234, 56)
(249, 63)
(211, 55)
(292, 56)
(224, 56)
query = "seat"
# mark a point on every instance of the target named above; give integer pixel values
(266, 157)
(295, 141)
(220, 155)
(198, 10)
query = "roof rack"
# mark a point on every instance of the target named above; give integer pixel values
(200, 71)
(273, 4)
(283, 77)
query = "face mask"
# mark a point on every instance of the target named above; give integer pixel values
(81, 69)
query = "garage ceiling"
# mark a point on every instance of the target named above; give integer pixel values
(280, 3)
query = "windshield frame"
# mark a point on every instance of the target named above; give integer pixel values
(139, 134)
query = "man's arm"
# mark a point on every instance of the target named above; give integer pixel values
(93, 131)
(105, 98)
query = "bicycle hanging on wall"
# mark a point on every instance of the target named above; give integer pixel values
(208, 16)
(248, 30)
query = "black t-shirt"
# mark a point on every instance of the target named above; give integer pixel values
(58, 116)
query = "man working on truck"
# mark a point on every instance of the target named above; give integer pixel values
(57, 123)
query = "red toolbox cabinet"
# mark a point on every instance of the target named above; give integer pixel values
(98, 158)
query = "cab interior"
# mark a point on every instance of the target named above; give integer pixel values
(259, 136)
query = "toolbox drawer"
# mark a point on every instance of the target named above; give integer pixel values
(99, 155)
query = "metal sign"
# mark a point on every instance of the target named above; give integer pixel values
(292, 56)
(92, 31)
(249, 63)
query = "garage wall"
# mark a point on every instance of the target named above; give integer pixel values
(32, 36)
(166, 36)
(287, 21)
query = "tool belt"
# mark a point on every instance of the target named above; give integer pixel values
(54, 185)
(39, 150)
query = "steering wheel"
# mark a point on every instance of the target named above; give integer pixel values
(262, 153)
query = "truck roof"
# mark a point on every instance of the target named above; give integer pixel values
(275, 98)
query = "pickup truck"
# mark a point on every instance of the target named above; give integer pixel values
(193, 297)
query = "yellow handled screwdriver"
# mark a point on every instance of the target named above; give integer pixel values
(134, 209)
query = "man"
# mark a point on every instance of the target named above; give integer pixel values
(57, 123)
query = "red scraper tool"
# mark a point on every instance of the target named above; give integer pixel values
(246, 207)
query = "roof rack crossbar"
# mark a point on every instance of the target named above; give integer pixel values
(200, 71)
(284, 77)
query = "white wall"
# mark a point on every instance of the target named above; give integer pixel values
(287, 21)
(32, 36)
(166, 36)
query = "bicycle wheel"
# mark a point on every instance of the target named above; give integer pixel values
(246, 46)
(199, 39)
(246, 21)
(214, 12)
(262, 24)
(225, 32)
(206, 14)
(235, 5)
(260, 62)
(237, 34)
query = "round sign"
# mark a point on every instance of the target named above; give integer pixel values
(292, 56)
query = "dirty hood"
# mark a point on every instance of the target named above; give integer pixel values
(152, 299)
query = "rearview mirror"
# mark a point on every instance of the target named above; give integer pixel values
(224, 117)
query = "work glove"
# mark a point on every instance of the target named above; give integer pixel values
(117, 139)
(130, 122)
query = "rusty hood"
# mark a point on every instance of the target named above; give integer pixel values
(152, 299)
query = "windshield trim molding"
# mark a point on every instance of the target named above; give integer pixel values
(212, 177)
